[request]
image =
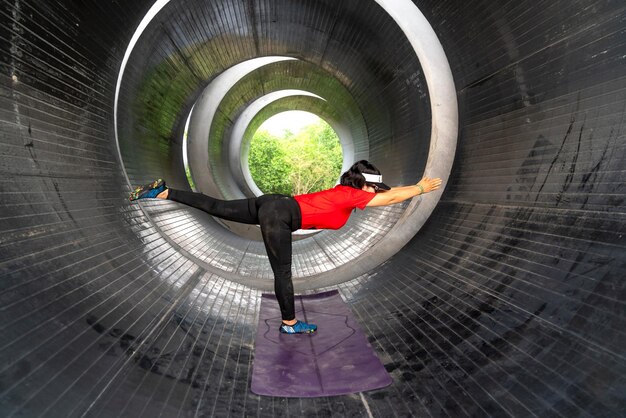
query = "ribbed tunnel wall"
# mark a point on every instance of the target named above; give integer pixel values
(508, 302)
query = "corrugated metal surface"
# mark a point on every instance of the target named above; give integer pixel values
(510, 301)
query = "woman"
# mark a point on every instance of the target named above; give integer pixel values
(279, 215)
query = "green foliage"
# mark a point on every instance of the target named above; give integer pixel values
(296, 163)
(268, 164)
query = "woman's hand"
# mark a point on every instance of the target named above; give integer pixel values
(428, 185)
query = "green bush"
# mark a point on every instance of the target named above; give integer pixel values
(296, 164)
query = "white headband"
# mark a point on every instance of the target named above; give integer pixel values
(373, 178)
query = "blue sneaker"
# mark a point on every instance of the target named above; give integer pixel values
(298, 328)
(149, 191)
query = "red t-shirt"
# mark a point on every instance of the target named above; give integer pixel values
(330, 209)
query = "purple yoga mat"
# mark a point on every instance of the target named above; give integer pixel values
(336, 360)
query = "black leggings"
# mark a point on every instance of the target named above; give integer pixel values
(278, 216)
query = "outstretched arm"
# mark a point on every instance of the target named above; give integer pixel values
(400, 194)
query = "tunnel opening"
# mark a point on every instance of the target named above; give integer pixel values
(294, 152)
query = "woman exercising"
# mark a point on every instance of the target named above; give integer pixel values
(280, 215)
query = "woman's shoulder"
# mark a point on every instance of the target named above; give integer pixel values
(352, 197)
(349, 192)
(348, 189)
(341, 189)
(338, 190)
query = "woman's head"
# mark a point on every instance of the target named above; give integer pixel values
(355, 176)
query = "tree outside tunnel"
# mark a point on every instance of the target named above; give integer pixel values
(299, 158)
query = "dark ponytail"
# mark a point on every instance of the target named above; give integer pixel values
(354, 176)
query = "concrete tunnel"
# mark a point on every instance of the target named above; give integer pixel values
(501, 295)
